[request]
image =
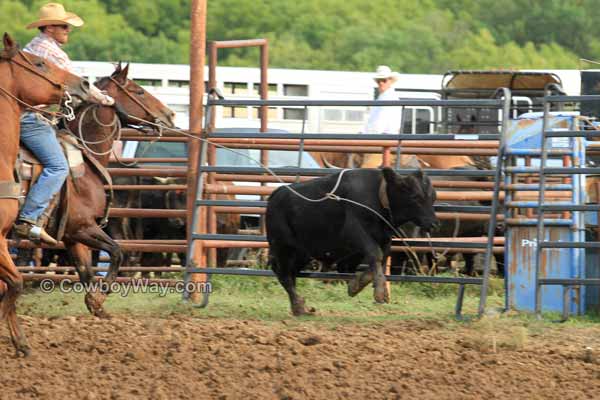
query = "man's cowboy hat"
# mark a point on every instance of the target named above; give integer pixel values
(384, 72)
(55, 14)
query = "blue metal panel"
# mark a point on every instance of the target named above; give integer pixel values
(520, 268)
(525, 134)
(524, 138)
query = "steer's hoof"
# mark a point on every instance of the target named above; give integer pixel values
(301, 309)
(382, 296)
(352, 288)
(298, 313)
(358, 283)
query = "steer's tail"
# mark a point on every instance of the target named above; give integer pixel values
(272, 262)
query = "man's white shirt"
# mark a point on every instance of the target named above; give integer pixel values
(384, 119)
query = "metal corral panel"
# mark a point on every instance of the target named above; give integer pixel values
(520, 275)
(592, 293)
(592, 265)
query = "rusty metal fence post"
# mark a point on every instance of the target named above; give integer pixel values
(197, 61)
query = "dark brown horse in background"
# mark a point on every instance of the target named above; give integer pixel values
(25, 80)
(141, 109)
(96, 128)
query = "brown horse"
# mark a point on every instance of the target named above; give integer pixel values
(423, 160)
(334, 160)
(141, 107)
(368, 160)
(95, 128)
(467, 124)
(25, 81)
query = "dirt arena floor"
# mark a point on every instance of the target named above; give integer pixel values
(186, 358)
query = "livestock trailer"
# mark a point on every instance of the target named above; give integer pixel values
(527, 88)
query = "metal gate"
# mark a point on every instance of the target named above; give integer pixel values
(205, 239)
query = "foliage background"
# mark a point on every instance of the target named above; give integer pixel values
(419, 36)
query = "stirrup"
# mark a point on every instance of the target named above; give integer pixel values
(34, 233)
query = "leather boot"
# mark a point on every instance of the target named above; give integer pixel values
(27, 230)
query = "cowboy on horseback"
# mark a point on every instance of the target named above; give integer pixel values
(54, 24)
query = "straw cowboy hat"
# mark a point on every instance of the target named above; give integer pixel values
(384, 72)
(55, 14)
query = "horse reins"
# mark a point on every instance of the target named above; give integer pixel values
(157, 120)
(31, 68)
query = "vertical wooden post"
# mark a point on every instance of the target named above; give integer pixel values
(197, 61)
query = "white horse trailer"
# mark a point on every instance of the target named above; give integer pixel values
(170, 83)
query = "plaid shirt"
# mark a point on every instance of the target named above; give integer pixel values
(49, 49)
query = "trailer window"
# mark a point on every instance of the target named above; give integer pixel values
(293, 113)
(355, 115)
(235, 88)
(179, 83)
(332, 115)
(149, 82)
(423, 121)
(295, 90)
(417, 120)
(271, 113)
(272, 90)
(235, 112)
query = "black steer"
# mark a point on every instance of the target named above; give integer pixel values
(343, 233)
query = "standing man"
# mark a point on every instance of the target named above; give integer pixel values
(384, 119)
(54, 24)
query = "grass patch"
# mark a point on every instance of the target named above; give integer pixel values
(235, 297)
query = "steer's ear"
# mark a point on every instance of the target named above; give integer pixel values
(397, 181)
(419, 174)
(389, 175)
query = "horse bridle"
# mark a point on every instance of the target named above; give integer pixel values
(156, 119)
(30, 67)
(10, 57)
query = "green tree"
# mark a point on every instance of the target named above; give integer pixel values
(411, 36)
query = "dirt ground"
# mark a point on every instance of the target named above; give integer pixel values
(185, 358)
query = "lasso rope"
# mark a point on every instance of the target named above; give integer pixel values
(328, 196)
(115, 133)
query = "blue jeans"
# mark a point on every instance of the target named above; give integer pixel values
(40, 139)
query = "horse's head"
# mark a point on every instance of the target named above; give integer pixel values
(142, 108)
(39, 81)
